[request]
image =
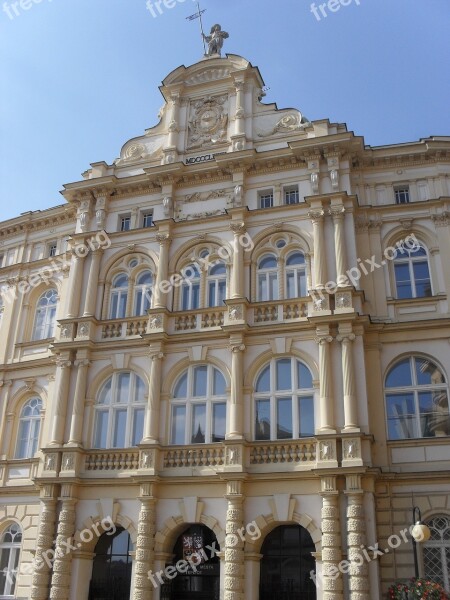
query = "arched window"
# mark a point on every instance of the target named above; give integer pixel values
(284, 401)
(287, 564)
(143, 293)
(268, 278)
(199, 407)
(111, 571)
(412, 273)
(217, 285)
(436, 552)
(190, 290)
(119, 297)
(9, 560)
(295, 272)
(29, 428)
(416, 400)
(44, 323)
(120, 412)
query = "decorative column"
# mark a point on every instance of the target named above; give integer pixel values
(92, 286)
(326, 395)
(46, 535)
(60, 589)
(346, 337)
(240, 109)
(151, 428)
(6, 418)
(237, 348)
(234, 544)
(75, 285)
(143, 588)
(317, 218)
(76, 425)
(331, 541)
(62, 390)
(160, 298)
(173, 125)
(237, 279)
(356, 539)
(338, 212)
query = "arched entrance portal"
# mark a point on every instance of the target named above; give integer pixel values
(287, 564)
(111, 571)
(201, 581)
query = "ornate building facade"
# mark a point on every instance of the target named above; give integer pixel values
(236, 336)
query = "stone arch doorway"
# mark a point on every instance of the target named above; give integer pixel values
(111, 570)
(201, 579)
(287, 564)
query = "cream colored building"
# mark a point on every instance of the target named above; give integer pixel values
(188, 350)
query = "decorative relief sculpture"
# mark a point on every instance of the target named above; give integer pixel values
(209, 122)
(287, 124)
(238, 195)
(215, 40)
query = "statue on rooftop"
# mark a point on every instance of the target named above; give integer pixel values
(215, 40)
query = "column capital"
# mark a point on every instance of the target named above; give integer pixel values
(337, 212)
(238, 228)
(163, 238)
(316, 215)
(323, 340)
(63, 363)
(236, 347)
(346, 338)
(83, 362)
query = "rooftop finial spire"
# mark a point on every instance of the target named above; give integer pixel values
(198, 15)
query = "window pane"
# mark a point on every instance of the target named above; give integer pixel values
(421, 270)
(212, 294)
(273, 277)
(195, 296)
(186, 295)
(22, 442)
(306, 412)
(222, 292)
(34, 437)
(301, 275)
(138, 426)
(178, 424)
(198, 424)
(181, 387)
(423, 289)
(114, 304)
(304, 376)
(219, 384)
(262, 288)
(105, 394)
(295, 259)
(219, 422)
(200, 374)
(101, 429)
(401, 416)
(404, 291)
(268, 262)
(122, 305)
(219, 269)
(263, 383)
(138, 303)
(139, 390)
(262, 420)
(284, 418)
(123, 388)
(400, 375)
(4, 562)
(284, 380)
(428, 373)
(290, 285)
(120, 426)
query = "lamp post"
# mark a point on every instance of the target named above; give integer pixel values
(420, 533)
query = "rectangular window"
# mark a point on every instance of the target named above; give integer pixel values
(262, 420)
(198, 424)
(306, 414)
(265, 199)
(120, 428)
(291, 195)
(403, 281)
(138, 426)
(401, 194)
(147, 219)
(51, 249)
(101, 429)
(284, 418)
(125, 222)
(178, 424)
(402, 423)
(219, 422)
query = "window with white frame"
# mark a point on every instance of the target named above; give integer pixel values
(267, 277)
(412, 272)
(125, 222)
(416, 394)
(10, 545)
(291, 194)
(147, 219)
(265, 199)
(45, 317)
(52, 249)
(119, 297)
(29, 429)
(295, 272)
(217, 285)
(190, 289)
(198, 407)
(401, 193)
(436, 551)
(143, 293)
(120, 411)
(284, 401)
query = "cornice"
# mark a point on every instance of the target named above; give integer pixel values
(37, 222)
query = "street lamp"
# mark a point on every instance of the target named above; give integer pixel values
(420, 533)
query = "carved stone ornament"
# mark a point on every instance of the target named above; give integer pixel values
(235, 313)
(232, 456)
(315, 182)
(68, 462)
(343, 300)
(156, 322)
(50, 462)
(238, 195)
(167, 206)
(147, 459)
(287, 124)
(351, 449)
(326, 451)
(209, 122)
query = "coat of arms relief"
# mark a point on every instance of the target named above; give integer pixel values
(208, 122)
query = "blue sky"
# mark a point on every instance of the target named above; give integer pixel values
(80, 77)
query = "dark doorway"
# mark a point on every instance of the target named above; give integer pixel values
(287, 564)
(111, 572)
(203, 583)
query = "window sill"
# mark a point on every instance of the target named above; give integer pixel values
(419, 300)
